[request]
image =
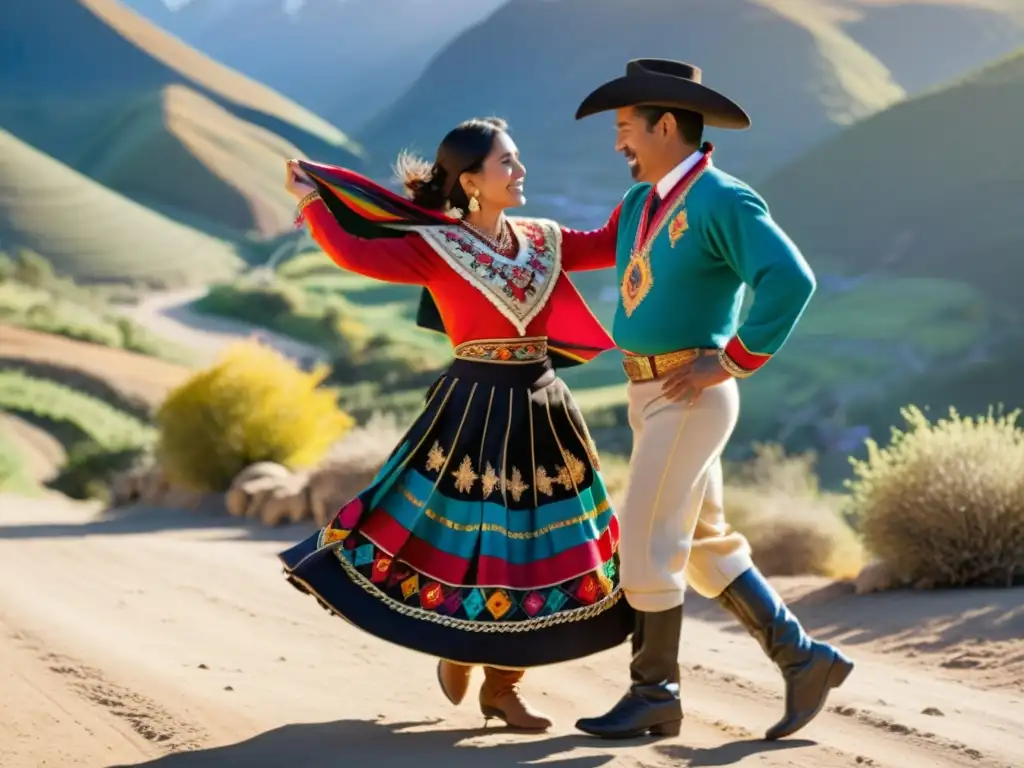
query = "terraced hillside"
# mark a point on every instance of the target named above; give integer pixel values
(116, 376)
(102, 81)
(73, 410)
(93, 234)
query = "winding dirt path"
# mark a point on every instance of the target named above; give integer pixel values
(170, 315)
(166, 638)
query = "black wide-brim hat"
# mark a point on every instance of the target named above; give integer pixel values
(665, 83)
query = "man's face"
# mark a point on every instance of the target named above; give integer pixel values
(641, 145)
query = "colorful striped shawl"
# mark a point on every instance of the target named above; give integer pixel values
(366, 209)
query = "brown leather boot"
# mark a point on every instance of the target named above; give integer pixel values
(454, 680)
(500, 698)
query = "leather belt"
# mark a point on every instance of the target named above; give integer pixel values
(650, 367)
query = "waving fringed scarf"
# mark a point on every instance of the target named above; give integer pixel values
(365, 209)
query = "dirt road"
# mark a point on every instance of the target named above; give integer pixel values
(169, 315)
(169, 639)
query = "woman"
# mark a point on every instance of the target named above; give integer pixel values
(487, 538)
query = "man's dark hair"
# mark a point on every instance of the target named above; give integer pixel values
(691, 124)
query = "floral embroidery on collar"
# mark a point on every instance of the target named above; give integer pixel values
(519, 288)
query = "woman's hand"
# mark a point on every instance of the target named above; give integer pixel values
(298, 182)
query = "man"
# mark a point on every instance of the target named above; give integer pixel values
(689, 236)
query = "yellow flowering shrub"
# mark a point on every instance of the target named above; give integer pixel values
(943, 503)
(252, 404)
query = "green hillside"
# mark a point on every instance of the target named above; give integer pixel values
(813, 79)
(928, 192)
(92, 234)
(177, 151)
(925, 43)
(931, 187)
(103, 80)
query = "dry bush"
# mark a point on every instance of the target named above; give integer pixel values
(794, 535)
(774, 500)
(251, 405)
(943, 503)
(371, 442)
(351, 465)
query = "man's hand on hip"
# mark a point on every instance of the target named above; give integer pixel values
(686, 383)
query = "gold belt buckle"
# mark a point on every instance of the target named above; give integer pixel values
(670, 361)
(638, 368)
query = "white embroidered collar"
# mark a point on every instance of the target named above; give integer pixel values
(520, 287)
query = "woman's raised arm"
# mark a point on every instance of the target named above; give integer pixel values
(396, 260)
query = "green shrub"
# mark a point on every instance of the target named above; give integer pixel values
(261, 304)
(943, 503)
(32, 269)
(7, 267)
(90, 468)
(93, 419)
(252, 405)
(14, 472)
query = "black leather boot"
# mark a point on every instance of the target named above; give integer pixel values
(810, 668)
(652, 704)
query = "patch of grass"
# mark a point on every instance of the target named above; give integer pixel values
(400, 356)
(83, 382)
(14, 471)
(97, 421)
(32, 297)
(90, 469)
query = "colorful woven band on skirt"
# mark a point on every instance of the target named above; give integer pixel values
(525, 350)
(487, 537)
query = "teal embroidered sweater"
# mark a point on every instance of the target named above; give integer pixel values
(710, 245)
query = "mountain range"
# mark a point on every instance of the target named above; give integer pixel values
(803, 69)
(109, 94)
(346, 59)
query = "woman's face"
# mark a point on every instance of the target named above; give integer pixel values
(500, 180)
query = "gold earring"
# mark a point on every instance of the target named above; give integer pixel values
(474, 203)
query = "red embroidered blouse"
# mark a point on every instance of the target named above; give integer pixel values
(467, 312)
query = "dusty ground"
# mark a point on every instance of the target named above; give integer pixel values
(169, 639)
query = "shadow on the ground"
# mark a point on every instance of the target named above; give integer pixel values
(361, 743)
(926, 621)
(140, 518)
(829, 611)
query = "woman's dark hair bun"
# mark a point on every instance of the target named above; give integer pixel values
(421, 180)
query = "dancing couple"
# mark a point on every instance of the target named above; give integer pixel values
(488, 538)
